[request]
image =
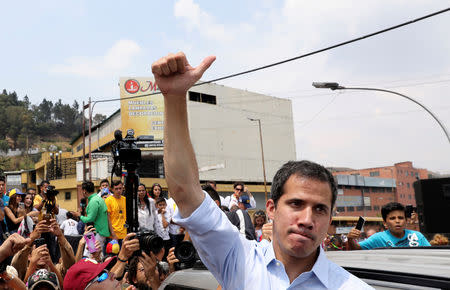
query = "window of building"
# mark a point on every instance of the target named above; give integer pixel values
(406, 172)
(376, 207)
(68, 195)
(409, 196)
(417, 174)
(389, 189)
(350, 208)
(340, 191)
(359, 208)
(407, 184)
(366, 189)
(375, 173)
(340, 208)
(412, 173)
(202, 98)
(368, 207)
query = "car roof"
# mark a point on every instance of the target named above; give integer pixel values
(429, 261)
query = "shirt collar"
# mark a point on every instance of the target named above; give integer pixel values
(91, 196)
(320, 268)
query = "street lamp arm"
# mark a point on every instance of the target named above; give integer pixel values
(404, 96)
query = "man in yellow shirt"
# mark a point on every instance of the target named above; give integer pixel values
(117, 212)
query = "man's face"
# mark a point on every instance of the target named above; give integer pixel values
(301, 217)
(118, 189)
(396, 222)
(44, 187)
(104, 185)
(2, 187)
(238, 190)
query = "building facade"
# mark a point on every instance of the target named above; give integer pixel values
(225, 140)
(403, 173)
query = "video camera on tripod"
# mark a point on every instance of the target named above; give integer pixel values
(127, 154)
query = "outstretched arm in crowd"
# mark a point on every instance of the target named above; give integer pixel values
(42, 255)
(67, 255)
(20, 260)
(353, 237)
(174, 76)
(129, 246)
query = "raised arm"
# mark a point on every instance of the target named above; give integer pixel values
(174, 76)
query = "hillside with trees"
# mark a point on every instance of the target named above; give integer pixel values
(25, 125)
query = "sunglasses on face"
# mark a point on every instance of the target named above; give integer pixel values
(238, 189)
(100, 278)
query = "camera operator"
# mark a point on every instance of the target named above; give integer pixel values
(47, 205)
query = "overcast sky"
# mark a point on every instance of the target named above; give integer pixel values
(74, 50)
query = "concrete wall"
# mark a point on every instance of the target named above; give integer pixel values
(223, 136)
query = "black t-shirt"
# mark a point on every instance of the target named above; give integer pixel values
(239, 215)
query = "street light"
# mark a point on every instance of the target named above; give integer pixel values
(262, 155)
(335, 86)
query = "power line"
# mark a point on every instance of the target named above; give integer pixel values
(294, 58)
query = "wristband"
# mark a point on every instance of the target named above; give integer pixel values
(123, 261)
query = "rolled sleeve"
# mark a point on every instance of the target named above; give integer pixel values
(218, 243)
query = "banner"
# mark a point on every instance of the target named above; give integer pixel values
(145, 115)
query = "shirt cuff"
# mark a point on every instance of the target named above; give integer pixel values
(197, 222)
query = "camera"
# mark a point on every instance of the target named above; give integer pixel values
(149, 241)
(187, 254)
(51, 192)
(125, 150)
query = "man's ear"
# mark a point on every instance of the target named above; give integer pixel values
(270, 209)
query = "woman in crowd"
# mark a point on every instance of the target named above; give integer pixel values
(26, 226)
(259, 219)
(15, 212)
(148, 219)
(155, 191)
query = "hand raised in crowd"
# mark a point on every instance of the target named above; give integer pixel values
(55, 229)
(174, 75)
(267, 231)
(354, 234)
(12, 245)
(38, 253)
(41, 227)
(97, 255)
(129, 246)
(172, 259)
(151, 273)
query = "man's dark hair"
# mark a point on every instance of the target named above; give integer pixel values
(117, 182)
(306, 169)
(160, 199)
(44, 181)
(3, 178)
(69, 215)
(212, 193)
(88, 186)
(390, 207)
(238, 183)
(104, 180)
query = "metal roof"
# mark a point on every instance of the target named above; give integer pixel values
(358, 180)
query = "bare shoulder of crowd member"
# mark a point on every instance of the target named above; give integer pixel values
(303, 195)
(395, 235)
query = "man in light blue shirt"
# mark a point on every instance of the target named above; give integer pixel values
(396, 235)
(303, 195)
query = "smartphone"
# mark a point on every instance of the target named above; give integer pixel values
(360, 223)
(408, 211)
(90, 242)
(21, 205)
(39, 242)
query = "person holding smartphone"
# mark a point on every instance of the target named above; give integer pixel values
(15, 211)
(395, 235)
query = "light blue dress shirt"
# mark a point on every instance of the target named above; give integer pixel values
(238, 263)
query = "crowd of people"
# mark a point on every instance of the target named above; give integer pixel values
(282, 247)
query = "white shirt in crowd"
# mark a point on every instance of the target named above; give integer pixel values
(231, 200)
(161, 231)
(148, 221)
(173, 228)
(69, 227)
